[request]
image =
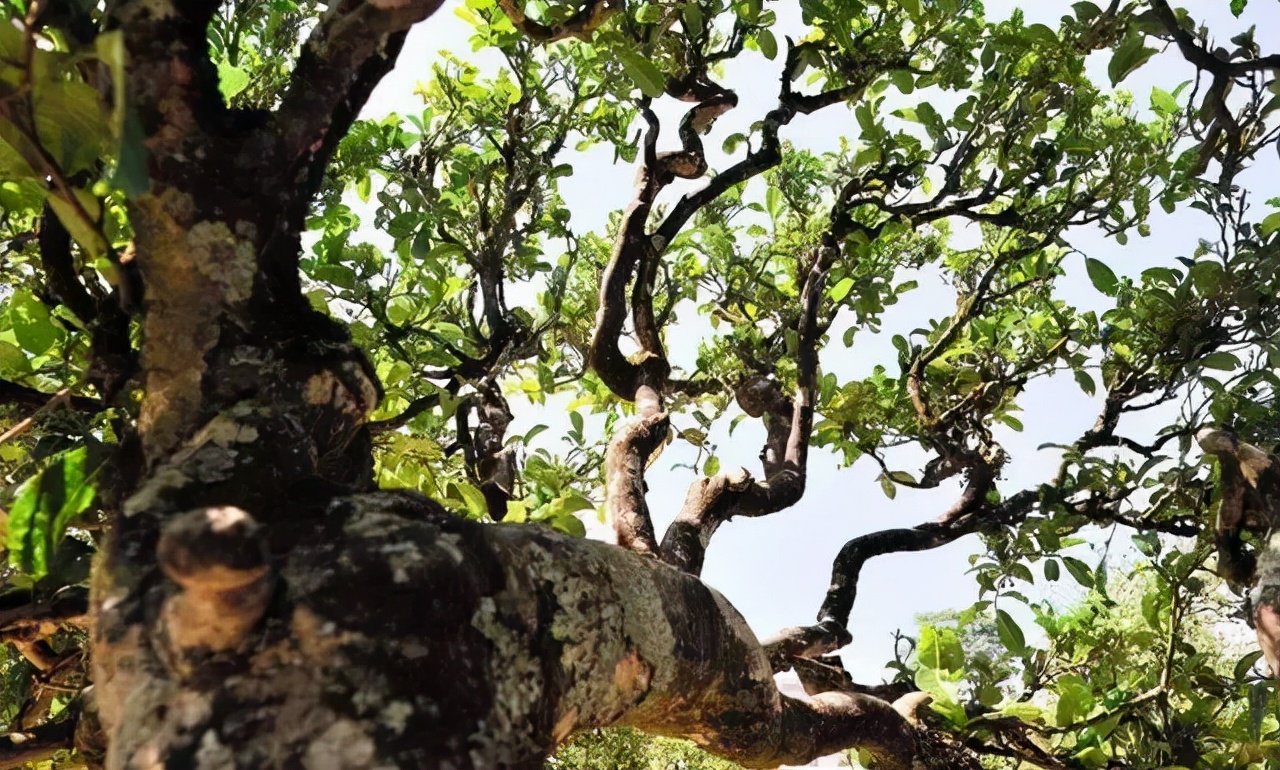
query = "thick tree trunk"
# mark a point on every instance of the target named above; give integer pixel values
(393, 634)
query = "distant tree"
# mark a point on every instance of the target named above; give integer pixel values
(287, 447)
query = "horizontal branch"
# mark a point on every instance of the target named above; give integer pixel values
(969, 514)
(31, 747)
(11, 393)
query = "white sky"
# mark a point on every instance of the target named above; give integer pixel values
(776, 569)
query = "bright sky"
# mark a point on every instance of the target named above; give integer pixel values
(776, 569)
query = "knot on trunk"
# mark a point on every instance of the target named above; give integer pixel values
(220, 565)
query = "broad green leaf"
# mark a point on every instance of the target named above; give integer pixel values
(1085, 382)
(643, 72)
(33, 325)
(45, 506)
(768, 44)
(1131, 54)
(71, 124)
(888, 487)
(1163, 102)
(471, 497)
(1079, 570)
(1103, 278)
(1051, 570)
(1270, 224)
(1220, 360)
(231, 79)
(1246, 664)
(841, 289)
(939, 647)
(1010, 634)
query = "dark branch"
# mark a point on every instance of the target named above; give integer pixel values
(59, 267)
(21, 395)
(969, 514)
(20, 750)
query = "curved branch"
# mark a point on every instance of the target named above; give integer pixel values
(582, 24)
(331, 80)
(968, 515)
(712, 501)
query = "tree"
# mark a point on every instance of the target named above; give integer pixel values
(214, 385)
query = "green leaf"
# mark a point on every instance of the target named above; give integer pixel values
(1163, 102)
(1237, 7)
(712, 466)
(1085, 382)
(1221, 360)
(1079, 570)
(903, 80)
(231, 79)
(1246, 664)
(1128, 57)
(888, 487)
(1269, 225)
(1010, 634)
(768, 44)
(471, 497)
(1051, 570)
(45, 506)
(841, 289)
(1103, 277)
(71, 124)
(939, 647)
(33, 326)
(643, 72)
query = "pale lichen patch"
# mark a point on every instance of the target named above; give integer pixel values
(395, 715)
(213, 753)
(343, 746)
(151, 496)
(226, 260)
(517, 696)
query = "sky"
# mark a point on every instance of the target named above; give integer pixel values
(776, 569)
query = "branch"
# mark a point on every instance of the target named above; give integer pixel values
(354, 45)
(967, 515)
(492, 465)
(713, 501)
(22, 749)
(172, 80)
(21, 395)
(625, 460)
(59, 267)
(582, 24)
(415, 408)
(67, 605)
(1200, 56)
